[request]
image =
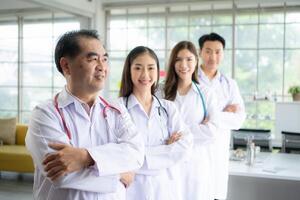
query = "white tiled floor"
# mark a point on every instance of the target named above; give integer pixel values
(16, 187)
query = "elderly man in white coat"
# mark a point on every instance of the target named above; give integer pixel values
(82, 146)
(230, 106)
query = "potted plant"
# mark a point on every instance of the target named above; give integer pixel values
(295, 92)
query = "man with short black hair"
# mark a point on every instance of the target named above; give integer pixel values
(230, 105)
(82, 145)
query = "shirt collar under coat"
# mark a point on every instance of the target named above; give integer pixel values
(65, 99)
(204, 78)
(132, 102)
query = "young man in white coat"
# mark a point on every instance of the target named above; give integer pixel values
(82, 146)
(230, 106)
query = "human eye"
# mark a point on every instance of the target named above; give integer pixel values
(151, 67)
(178, 59)
(105, 59)
(92, 58)
(137, 67)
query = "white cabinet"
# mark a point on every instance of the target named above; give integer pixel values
(287, 118)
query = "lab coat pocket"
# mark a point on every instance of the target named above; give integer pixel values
(113, 135)
(163, 129)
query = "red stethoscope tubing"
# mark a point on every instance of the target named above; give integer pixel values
(106, 106)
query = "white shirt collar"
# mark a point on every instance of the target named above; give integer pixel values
(66, 97)
(132, 102)
(205, 78)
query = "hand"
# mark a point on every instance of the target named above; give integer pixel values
(127, 178)
(205, 120)
(231, 108)
(65, 160)
(174, 138)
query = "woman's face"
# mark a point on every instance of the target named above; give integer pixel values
(185, 64)
(144, 72)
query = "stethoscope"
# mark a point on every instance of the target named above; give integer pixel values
(106, 106)
(159, 108)
(202, 100)
(221, 78)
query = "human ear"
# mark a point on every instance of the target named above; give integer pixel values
(64, 64)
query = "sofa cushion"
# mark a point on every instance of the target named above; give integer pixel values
(21, 134)
(8, 130)
(15, 158)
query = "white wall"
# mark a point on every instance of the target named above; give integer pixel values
(76, 7)
(90, 13)
(287, 118)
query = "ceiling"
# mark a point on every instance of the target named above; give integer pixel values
(7, 5)
(16, 4)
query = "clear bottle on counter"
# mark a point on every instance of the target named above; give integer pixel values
(250, 152)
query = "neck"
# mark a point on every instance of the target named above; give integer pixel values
(88, 98)
(184, 86)
(210, 73)
(145, 99)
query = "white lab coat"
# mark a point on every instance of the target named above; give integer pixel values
(196, 172)
(113, 143)
(227, 92)
(156, 180)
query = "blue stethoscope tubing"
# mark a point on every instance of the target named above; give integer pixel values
(202, 100)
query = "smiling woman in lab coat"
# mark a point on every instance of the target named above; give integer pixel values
(167, 139)
(197, 106)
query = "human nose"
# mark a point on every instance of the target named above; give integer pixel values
(145, 73)
(102, 64)
(183, 64)
(213, 56)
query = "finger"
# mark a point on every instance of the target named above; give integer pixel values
(177, 139)
(55, 170)
(57, 146)
(178, 135)
(49, 158)
(123, 181)
(58, 175)
(175, 135)
(172, 140)
(205, 121)
(168, 142)
(53, 164)
(172, 137)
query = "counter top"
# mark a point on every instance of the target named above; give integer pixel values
(269, 165)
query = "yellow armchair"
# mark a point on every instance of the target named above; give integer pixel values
(16, 158)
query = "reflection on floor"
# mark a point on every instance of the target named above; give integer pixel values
(15, 186)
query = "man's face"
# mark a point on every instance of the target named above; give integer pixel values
(88, 70)
(211, 55)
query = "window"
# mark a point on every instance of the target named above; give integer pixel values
(30, 75)
(9, 67)
(262, 46)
